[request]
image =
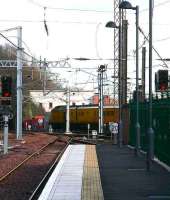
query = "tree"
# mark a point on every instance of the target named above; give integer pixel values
(33, 79)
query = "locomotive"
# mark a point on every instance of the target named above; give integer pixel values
(81, 116)
(37, 123)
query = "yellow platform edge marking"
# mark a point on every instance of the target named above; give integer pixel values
(91, 184)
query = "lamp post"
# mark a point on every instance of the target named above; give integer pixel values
(112, 24)
(127, 5)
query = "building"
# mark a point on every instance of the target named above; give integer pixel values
(51, 99)
(107, 100)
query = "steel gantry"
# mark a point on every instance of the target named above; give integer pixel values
(119, 16)
(19, 64)
(101, 70)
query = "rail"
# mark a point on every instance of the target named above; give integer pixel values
(25, 160)
(41, 185)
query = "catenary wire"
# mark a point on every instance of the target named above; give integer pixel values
(69, 9)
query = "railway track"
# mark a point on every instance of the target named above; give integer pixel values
(21, 181)
(43, 182)
(41, 185)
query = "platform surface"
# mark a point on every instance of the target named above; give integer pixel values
(124, 175)
(76, 176)
(106, 172)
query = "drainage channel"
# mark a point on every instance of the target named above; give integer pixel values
(159, 197)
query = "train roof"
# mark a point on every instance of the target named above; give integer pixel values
(62, 108)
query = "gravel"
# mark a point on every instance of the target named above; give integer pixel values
(20, 184)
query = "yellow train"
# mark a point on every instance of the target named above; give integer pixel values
(81, 116)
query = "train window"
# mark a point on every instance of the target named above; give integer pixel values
(50, 105)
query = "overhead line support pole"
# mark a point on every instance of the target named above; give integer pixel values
(19, 83)
(150, 152)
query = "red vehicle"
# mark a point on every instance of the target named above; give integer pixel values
(37, 123)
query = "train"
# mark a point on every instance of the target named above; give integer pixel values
(81, 116)
(37, 123)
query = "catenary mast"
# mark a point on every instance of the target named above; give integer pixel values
(119, 15)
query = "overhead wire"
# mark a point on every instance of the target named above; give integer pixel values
(50, 21)
(45, 22)
(141, 31)
(156, 5)
(163, 39)
(16, 47)
(9, 40)
(70, 9)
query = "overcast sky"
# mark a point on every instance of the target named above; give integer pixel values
(76, 28)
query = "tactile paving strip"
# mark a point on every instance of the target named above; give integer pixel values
(91, 186)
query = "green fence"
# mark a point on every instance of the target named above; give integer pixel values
(161, 126)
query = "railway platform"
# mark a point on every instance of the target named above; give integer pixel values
(76, 176)
(104, 171)
(124, 176)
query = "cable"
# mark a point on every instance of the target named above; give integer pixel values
(69, 9)
(17, 46)
(45, 22)
(96, 40)
(157, 5)
(49, 21)
(162, 3)
(6, 38)
(153, 47)
(163, 39)
(9, 41)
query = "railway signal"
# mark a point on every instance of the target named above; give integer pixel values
(6, 89)
(161, 80)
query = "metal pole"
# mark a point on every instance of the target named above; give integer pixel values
(19, 84)
(137, 149)
(5, 134)
(150, 152)
(120, 87)
(99, 95)
(143, 71)
(123, 78)
(124, 61)
(44, 77)
(68, 111)
(102, 70)
(88, 130)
